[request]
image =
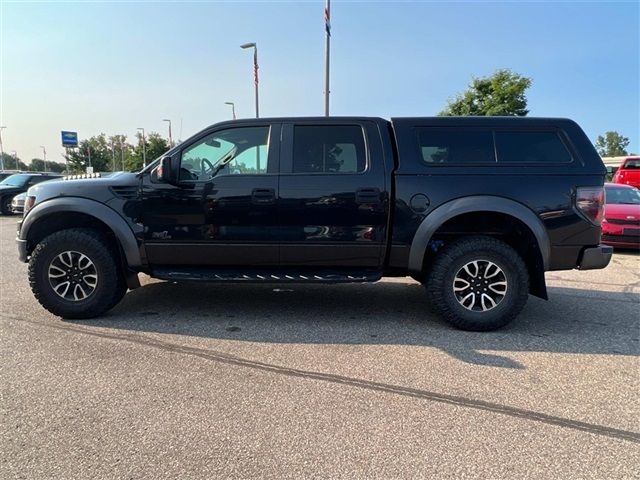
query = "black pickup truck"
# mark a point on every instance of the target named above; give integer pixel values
(475, 208)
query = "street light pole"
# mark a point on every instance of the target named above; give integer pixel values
(144, 148)
(89, 154)
(14, 154)
(233, 108)
(170, 138)
(44, 155)
(255, 71)
(1, 150)
(327, 51)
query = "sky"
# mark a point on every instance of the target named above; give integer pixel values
(112, 67)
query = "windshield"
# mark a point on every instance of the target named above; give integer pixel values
(626, 196)
(15, 180)
(632, 164)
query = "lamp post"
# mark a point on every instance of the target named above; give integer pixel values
(233, 108)
(144, 148)
(1, 150)
(255, 71)
(44, 157)
(89, 155)
(170, 138)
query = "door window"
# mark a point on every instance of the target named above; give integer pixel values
(328, 149)
(234, 151)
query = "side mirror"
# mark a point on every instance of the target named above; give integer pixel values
(168, 169)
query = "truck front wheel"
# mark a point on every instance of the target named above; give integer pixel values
(478, 283)
(74, 274)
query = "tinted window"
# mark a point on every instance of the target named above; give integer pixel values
(455, 145)
(531, 147)
(235, 151)
(328, 149)
(632, 164)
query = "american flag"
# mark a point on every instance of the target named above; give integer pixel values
(327, 20)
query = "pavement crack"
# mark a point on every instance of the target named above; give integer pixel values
(348, 381)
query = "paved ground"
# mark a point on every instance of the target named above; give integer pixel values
(356, 381)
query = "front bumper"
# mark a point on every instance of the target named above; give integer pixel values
(594, 258)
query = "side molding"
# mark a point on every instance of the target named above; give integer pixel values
(106, 215)
(477, 203)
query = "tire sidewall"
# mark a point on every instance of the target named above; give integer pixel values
(105, 269)
(514, 285)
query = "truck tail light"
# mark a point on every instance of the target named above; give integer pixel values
(590, 202)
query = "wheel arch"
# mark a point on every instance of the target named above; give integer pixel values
(46, 212)
(489, 205)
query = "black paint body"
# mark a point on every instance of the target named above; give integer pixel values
(359, 221)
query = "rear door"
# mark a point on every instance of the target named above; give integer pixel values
(333, 205)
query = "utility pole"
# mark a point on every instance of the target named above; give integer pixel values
(255, 71)
(44, 155)
(144, 148)
(170, 138)
(1, 150)
(327, 51)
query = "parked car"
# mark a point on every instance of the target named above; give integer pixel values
(17, 204)
(475, 208)
(629, 172)
(18, 183)
(621, 224)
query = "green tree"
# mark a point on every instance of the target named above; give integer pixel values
(156, 146)
(37, 165)
(502, 93)
(100, 153)
(11, 163)
(612, 144)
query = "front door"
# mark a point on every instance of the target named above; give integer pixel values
(218, 216)
(333, 203)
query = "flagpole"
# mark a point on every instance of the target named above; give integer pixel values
(327, 22)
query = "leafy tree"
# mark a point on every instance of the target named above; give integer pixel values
(502, 93)
(11, 163)
(37, 165)
(612, 144)
(156, 146)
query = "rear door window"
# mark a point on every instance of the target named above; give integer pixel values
(456, 146)
(531, 147)
(329, 149)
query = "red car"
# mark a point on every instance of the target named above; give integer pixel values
(621, 224)
(629, 172)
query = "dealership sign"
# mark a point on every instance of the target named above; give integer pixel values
(69, 139)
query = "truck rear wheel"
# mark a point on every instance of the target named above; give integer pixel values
(478, 283)
(74, 274)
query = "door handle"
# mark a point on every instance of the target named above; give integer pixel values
(263, 196)
(368, 195)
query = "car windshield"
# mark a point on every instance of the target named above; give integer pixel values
(627, 196)
(15, 180)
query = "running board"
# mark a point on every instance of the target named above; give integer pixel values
(266, 276)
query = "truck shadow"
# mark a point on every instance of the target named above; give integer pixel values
(573, 321)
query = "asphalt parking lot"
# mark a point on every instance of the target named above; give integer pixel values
(351, 381)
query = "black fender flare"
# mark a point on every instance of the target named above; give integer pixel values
(100, 211)
(475, 203)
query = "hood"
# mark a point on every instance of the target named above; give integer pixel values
(93, 187)
(622, 211)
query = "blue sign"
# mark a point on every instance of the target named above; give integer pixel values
(69, 139)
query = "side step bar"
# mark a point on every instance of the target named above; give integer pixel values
(266, 276)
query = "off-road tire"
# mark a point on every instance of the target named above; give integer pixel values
(440, 279)
(110, 286)
(5, 205)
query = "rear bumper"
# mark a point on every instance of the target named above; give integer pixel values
(594, 258)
